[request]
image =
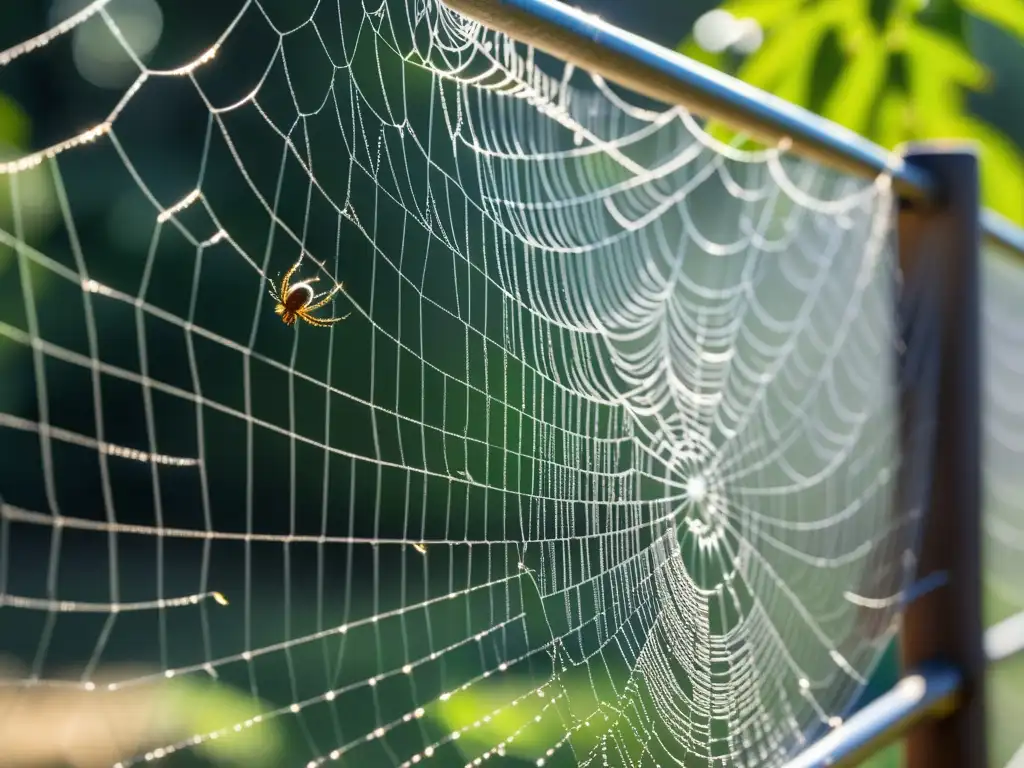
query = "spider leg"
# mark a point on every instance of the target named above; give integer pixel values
(288, 276)
(322, 322)
(312, 320)
(326, 297)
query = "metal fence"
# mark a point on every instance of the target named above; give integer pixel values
(938, 707)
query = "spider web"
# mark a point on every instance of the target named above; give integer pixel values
(1004, 503)
(603, 469)
(1003, 425)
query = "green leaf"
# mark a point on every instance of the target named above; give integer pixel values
(1002, 173)
(1002, 164)
(492, 698)
(14, 125)
(854, 24)
(893, 121)
(37, 200)
(201, 707)
(938, 68)
(1005, 14)
(944, 58)
(856, 90)
(783, 64)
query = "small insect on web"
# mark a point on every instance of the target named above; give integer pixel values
(297, 300)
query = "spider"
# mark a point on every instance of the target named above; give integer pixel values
(294, 300)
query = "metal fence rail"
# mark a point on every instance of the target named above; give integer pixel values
(649, 69)
(1003, 233)
(932, 691)
(940, 185)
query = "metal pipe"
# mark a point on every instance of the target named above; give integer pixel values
(649, 69)
(929, 693)
(939, 247)
(1002, 232)
(1005, 639)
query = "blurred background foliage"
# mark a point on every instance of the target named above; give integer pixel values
(891, 70)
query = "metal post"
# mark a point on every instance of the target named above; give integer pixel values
(942, 241)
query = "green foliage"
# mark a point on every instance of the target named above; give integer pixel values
(37, 202)
(37, 209)
(1008, 14)
(894, 71)
(204, 707)
(856, 91)
(14, 124)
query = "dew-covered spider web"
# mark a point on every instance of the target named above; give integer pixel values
(615, 461)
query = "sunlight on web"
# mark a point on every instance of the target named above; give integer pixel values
(603, 469)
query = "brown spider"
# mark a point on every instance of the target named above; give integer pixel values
(297, 300)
